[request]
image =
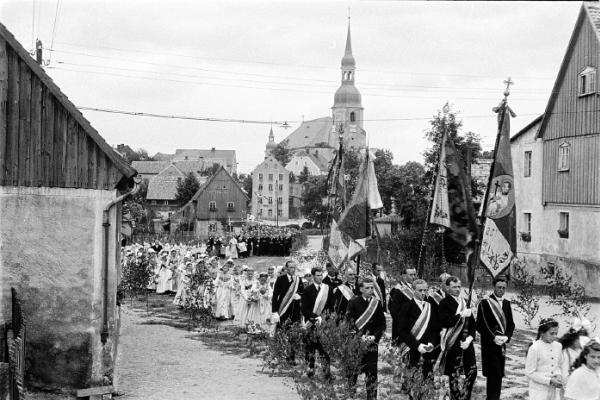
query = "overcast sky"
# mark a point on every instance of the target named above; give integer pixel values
(280, 61)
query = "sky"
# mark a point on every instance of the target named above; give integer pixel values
(265, 61)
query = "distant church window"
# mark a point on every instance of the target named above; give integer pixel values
(587, 81)
(563, 156)
(352, 117)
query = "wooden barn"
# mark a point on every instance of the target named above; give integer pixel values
(61, 186)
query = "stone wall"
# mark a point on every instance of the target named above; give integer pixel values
(51, 252)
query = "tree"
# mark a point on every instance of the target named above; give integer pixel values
(313, 207)
(131, 155)
(304, 175)
(187, 188)
(210, 171)
(463, 143)
(282, 153)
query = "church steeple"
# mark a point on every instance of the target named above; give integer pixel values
(347, 102)
(270, 144)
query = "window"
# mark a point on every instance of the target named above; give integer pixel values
(270, 177)
(527, 165)
(352, 117)
(212, 227)
(279, 200)
(527, 222)
(279, 213)
(281, 188)
(260, 177)
(563, 156)
(563, 230)
(587, 81)
(270, 187)
(166, 202)
(230, 205)
(260, 211)
(212, 206)
(270, 200)
(260, 187)
(270, 212)
(260, 200)
(280, 177)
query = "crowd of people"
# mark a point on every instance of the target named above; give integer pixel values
(433, 327)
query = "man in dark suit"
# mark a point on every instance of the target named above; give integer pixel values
(344, 292)
(366, 314)
(400, 294)
(332, 278)
(378, 279)
(317, 303)
(495, 326)
(458, 358)
(420, 331)
(285, 303)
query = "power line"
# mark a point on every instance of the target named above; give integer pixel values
(270, 88)
(284, 64)
(56, 14)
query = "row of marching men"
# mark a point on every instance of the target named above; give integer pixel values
(435, 330)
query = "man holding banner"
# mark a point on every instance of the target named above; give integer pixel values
(317, 301)
(366, 313)
(285, 304)
(495, 326)
(420, 330)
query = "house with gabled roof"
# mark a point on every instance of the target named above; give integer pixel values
(558, 160)
(61, 188)
(220, 204)
(315, 164)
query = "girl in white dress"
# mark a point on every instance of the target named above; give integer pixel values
(246, 283)
(260, 307)
(164, 278)
(233, 252)
(183, 290)
(544, 366)
(584, 382)
(223, 285)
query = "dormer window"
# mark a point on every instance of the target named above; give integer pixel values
(352, 117)
(563, 156)
(587, 81)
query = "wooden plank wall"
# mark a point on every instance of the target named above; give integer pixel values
(215, 192)
(576, 120)
(41, 144)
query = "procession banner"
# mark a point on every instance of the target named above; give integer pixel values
(440, 210)
(499, 242)
(338, 249)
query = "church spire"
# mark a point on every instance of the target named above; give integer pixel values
(348, 51)
(270, 144)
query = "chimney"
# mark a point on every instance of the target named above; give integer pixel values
(213, 149)
(38, 51)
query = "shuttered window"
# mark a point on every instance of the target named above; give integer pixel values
(587, 81)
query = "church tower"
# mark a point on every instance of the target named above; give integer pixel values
(347, 105)
(270, 144)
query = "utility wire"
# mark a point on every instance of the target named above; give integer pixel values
(284, 64)
(290, 79)
(270, 88)
(56, 14)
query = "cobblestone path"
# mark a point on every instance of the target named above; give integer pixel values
(157, 361)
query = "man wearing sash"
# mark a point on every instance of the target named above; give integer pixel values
(495, 326)
(285, 303)
(344, 292)
(438, 293)
(365, 312)
(400, 294)
(379, 286)
(317, 301)
(457, 352)
(420, 329)
(332, 280)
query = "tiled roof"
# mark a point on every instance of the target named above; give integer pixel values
(198, 154)
(309, 133)
(164, 185)
(593, 9)
(149, 167)
(321, 163)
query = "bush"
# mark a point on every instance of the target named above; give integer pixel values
(307, 225)
(568, 295)
(526, 301)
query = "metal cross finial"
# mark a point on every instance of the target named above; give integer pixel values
(348, 14)
(508, 82)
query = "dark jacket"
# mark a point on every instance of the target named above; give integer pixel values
(492, 355)
(341, 304)
(397, 301)
(280, 288)
(409, 314)
(375, 326)
(309, 296)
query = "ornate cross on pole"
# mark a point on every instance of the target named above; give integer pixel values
(508, 83)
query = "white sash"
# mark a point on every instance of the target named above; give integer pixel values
(406, 290)
(346, 291)
(368, 314)
(498, 312)
(321, 300)
(420, 326)
(436, 296)
(377, 289)
(289, 296)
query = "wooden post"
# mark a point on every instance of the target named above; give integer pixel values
(3, 109)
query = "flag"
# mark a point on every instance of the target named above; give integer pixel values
(355, 219)
(338, 246)
(452, 206)
(440, 210)
(336, 185)
(499, 242)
